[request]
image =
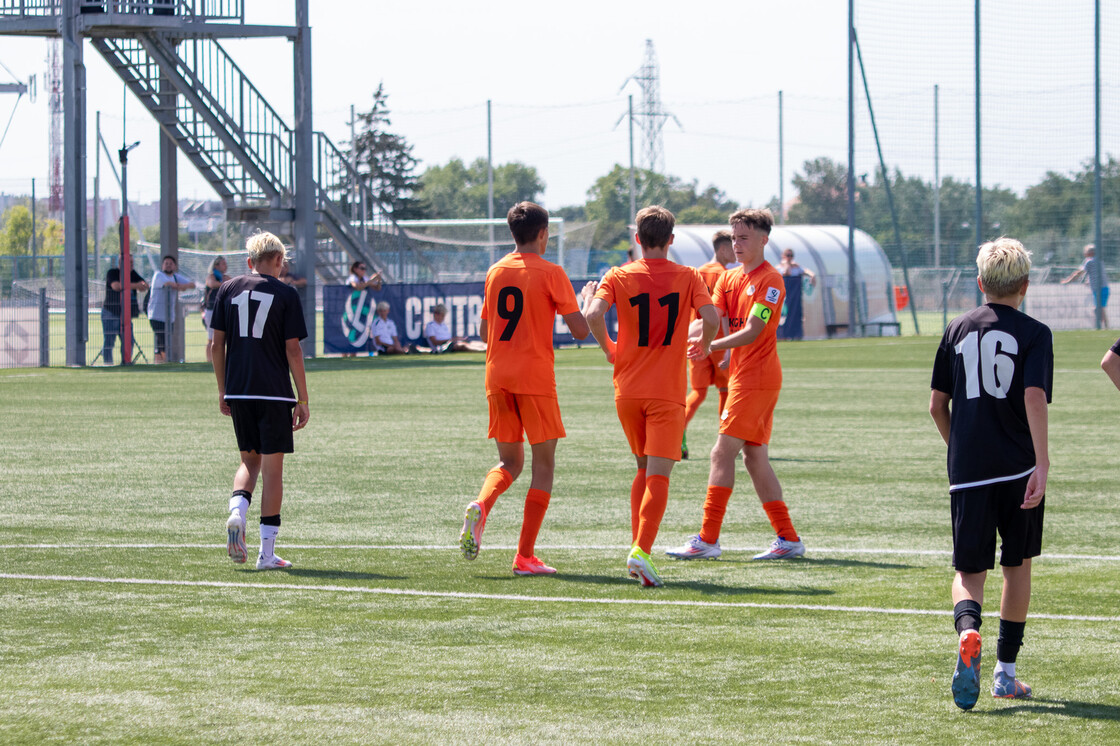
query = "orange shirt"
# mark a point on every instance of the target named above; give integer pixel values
(753, 366)
(523, 295)
(710, 274)
(656, 299)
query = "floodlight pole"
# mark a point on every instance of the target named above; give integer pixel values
(126, 261)
(979, 183)
(490, 180)
(851, 171)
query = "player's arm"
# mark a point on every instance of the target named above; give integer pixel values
(577, 324)
(219, 359)
(1034, 398)
(701, 347)
(302, 412)
(483, 330)
(939, 411)
(745, 336)
(1077, 273)
(595, 314)
(1111, 365)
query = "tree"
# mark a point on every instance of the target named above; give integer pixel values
(822, 193)
(456, 191)
(609, 203)
(15, 239)
(385, 160)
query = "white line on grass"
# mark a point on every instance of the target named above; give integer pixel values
(457, 595)
(559, 547)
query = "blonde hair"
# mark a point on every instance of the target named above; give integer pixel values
(262, 246)
(1004, 266)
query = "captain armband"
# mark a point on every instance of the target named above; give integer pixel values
(761, 312)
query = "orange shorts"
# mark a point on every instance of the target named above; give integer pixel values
(653, 427)
(511, 414)
(749, 415)
(706, 372)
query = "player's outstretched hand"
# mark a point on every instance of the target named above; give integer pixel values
(223, 406)
(1036, 488)
(300, 415)
(588, 291)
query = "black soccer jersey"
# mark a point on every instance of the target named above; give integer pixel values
(987, 359)
(258, 314)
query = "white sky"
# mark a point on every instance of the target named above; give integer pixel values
(554, 73)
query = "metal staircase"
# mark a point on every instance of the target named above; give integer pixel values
(244, 149)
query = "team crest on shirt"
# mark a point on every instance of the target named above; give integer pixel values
(772, 295)
(750, 289)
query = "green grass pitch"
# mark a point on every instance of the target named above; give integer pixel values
(122, 620)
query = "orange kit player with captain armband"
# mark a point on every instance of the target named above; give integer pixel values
(711, 370)
(750, 298)
(522, 297)
(655, 298)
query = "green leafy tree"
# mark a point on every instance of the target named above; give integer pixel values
(385, 160)
(609, 203)
(15, 239)
(458, 191)
(822, 193)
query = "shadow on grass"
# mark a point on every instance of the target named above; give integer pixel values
(392, 362)
(303, 572)
(1067, 708)
(811, 562)
(699, 586)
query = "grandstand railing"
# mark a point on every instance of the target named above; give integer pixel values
(200, 10)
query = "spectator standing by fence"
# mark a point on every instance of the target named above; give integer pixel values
(111, 324)
(1094, 274)
(163, 303)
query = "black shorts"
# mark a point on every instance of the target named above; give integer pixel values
(977, 515)
(261, 425)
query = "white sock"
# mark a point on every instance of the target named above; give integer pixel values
(268, 540)
(239, 504)
(1008, 669)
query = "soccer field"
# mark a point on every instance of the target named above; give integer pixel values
(122, 620)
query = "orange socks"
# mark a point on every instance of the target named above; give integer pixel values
(497, 481)
(779, 518)
(536, 503)
(653, 509)
(637, 492)
(715, 505)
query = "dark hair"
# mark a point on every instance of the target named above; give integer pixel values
(762, 220)
(526, 221)
(169, 256)
(655, 226)
(354, 267)
(721, 236)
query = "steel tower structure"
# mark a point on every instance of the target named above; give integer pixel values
(651, 115)
(282, 176)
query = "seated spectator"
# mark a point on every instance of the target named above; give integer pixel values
(439, 338)
(385, 332)
(359, 280)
